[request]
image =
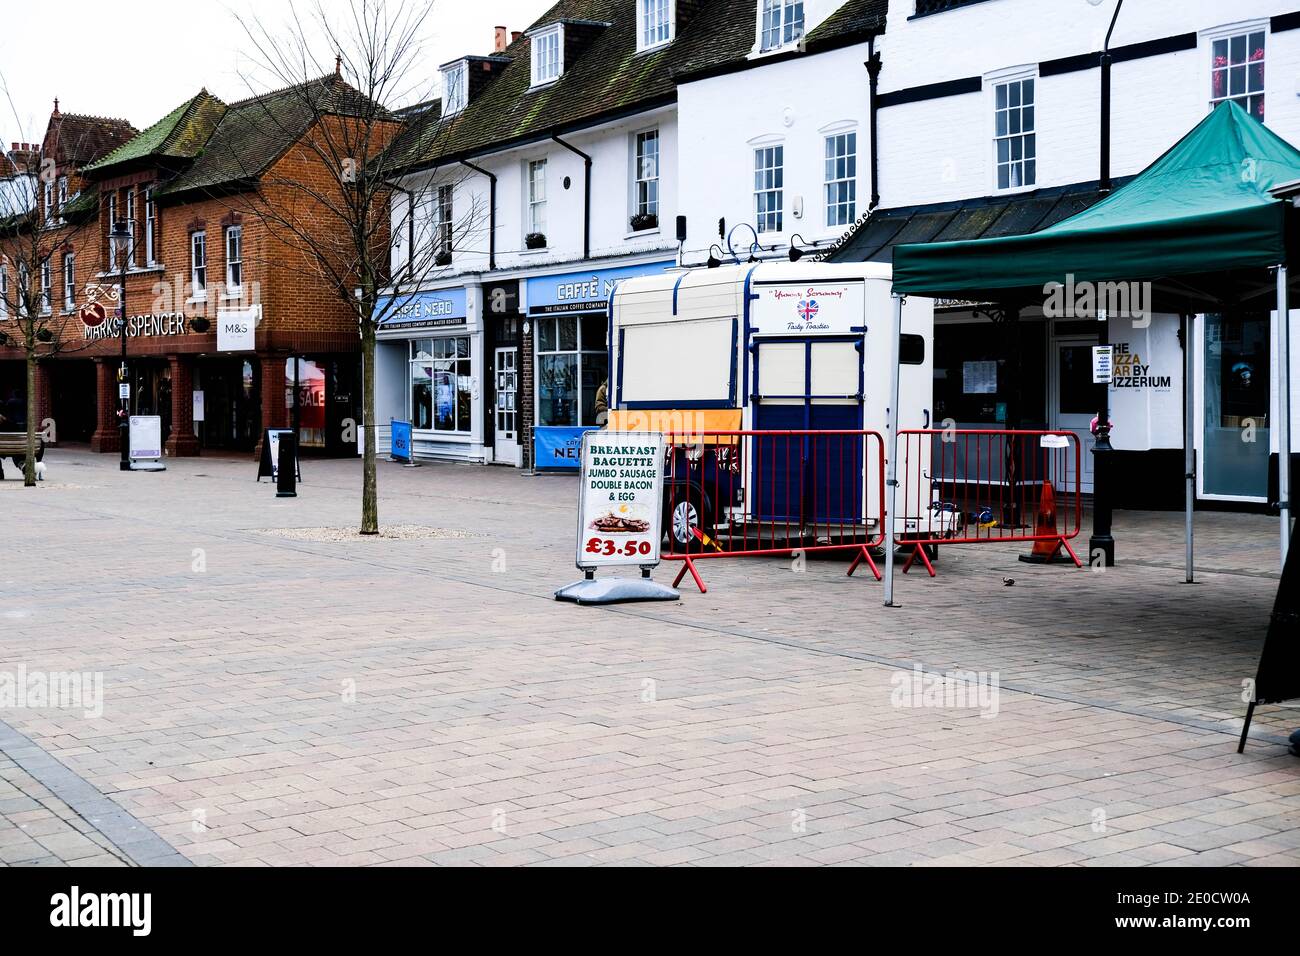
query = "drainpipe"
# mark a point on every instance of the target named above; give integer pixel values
(492, 211)
(586, 196)
(1104, 172)
(873, 66)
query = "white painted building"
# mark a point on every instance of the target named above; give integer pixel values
(988, 120)
(775, 144)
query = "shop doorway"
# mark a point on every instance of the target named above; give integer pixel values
(1073, 400)
(232, 407)
(151, 391)
(506, 449)
(72, 400)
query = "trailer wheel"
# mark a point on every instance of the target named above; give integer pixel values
(690, 508)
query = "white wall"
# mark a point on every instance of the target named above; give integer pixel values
(611, 149)
(939, 150)
(793, 102)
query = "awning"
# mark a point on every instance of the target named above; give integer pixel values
(979, 217)
(1202, 208)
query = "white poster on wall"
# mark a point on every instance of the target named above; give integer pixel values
(1146, 386)
(199, 410)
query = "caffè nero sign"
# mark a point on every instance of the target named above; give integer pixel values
(141, 326)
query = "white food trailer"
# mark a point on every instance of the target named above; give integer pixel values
(772, 347)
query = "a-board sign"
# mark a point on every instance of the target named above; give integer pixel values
(400, 439)
(144, 442)
(620, 499)
(268, 465)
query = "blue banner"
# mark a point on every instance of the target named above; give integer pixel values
(401, 440)
(426, 310)
(558, 448)
(581, 291)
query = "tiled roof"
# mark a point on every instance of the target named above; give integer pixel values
(252, 134)
(76, 140)
(978, 218)
(607, 79)
(181, 134)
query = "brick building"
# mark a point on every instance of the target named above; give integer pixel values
(229, 330)
(45, 240)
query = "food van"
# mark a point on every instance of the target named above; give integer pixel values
(771, 347)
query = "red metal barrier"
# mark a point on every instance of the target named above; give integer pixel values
(968, 486)
(747, 493)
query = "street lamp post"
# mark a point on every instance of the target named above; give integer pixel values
(120, 237)
(1102, 542)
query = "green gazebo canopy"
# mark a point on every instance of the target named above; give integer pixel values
(1202, 208)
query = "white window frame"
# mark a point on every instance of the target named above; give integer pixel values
(199, 263)
(24, 288)
(444, 211)
(535, 208)
(540, 44)
(47, 287)
(455, 87)
(4, 291)
(130, 227)
(112, 221)
(234, 236)
(1226, 34)
(150, 228)
(838, 212)
(69, 281)
(656, 23)
(47, 199)
(777, 21)
(1014, 114)
(644, 186)
(773, 184)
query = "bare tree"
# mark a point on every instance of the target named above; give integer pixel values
(332, 209)
(33, 237)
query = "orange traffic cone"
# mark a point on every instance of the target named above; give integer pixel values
(1048, 541)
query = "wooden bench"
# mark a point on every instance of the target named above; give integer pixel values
(14, 445)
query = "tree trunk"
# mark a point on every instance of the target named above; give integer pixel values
(29, 466)
(369, 490)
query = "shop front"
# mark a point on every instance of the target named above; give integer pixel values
(428, 371)
(569, 322)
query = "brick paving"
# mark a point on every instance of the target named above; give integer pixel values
(424, 701)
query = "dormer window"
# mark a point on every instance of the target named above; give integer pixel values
(548, 54)
(455, 87)
(654, 23)
(782, 23)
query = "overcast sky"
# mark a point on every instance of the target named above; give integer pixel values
(139, 59)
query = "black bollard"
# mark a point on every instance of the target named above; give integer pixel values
(288, 468)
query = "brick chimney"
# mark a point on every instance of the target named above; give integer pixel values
(499, 39)
(515, 35)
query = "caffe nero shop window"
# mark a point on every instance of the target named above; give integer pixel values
(572, 364)
(441, 384)
(976, 379)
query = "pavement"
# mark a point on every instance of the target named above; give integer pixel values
(252, 694)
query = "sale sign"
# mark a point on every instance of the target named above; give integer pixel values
(620, 499)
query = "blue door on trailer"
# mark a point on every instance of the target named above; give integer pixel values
(802, 384)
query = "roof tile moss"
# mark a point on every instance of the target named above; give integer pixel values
(609, 77)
